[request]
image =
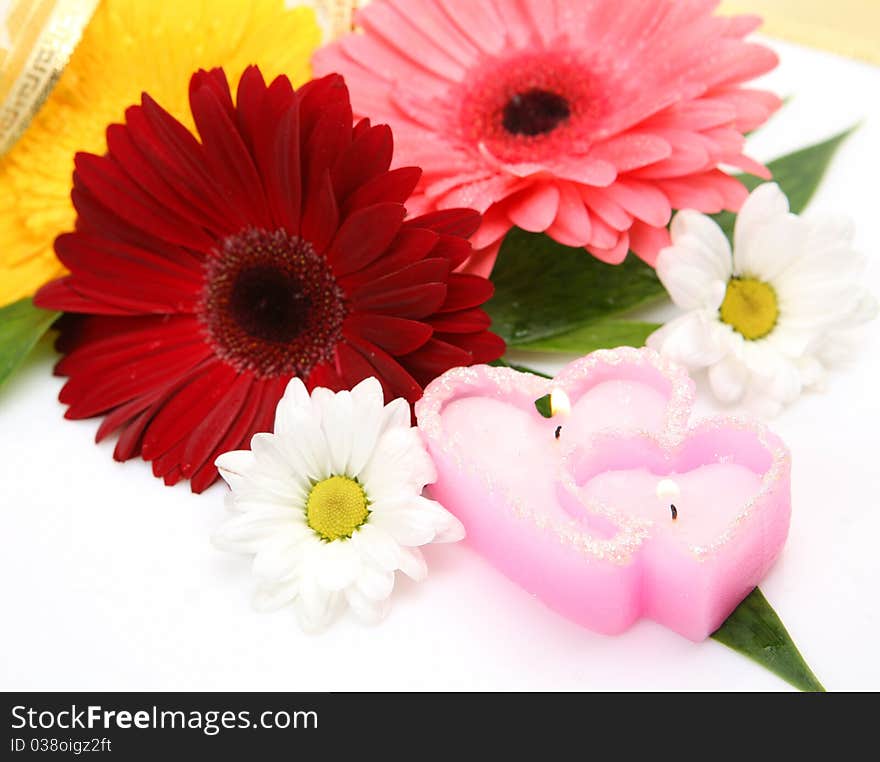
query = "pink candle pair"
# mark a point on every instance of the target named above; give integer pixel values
(615, 507)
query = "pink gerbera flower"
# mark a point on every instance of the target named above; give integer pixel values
(589, 121)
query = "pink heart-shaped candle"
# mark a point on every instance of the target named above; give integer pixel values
(626, 511)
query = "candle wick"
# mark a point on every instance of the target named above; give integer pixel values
(674, 512)
(558, 431)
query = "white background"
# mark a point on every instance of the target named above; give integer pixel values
(109, 580)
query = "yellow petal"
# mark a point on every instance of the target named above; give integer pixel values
(130, 46)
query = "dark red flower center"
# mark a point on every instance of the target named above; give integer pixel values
(271, 304)
(535, 112)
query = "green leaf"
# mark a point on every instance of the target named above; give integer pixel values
(755, 630)
(502, 363)
(21, 326)
(542, 404)
(543, 288)
(601, 334)
(798, 174)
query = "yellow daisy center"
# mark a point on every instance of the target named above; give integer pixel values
(336, 507)
(750, 307)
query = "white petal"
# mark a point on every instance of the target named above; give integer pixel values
(399, 462)
(827, 233)
(413, 564)
(377, 545)
(275, 460)
(236, 463)
(696, 268)
(375, 583)
(690, 340)
(728, 379)
(283, 554)
(775, 380)
(812, 373)
(367, 420)
(244, 533)
(315, 607)
(864, 309)
(396, 415)
(336, 565)
(273, 596)
(410, 520)
(714, 246)
(767, 202)
(366, 609)
(296, 397)
(306, 445)
(771, 249)
(337, 425)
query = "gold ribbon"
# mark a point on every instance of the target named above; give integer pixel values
(337, 16)
(42, 35)
(847, 27)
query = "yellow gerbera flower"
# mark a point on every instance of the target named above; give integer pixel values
(128, 47)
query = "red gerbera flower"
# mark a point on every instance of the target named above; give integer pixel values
(212, 272)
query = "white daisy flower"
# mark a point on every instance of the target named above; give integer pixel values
(767, 318)
(331, 505)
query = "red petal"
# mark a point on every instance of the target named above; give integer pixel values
(178, 198)
(316, 97)
(101, 342)
(91, 395)
(168, 142)
(214, 426)
(112, 188)
(389, 370)
(465, 321)
(327, 143)
(58, 295)
(128, 272)
(368, 156)
(236, 438)
(249, 103)
(354, 368)
(410, 302)
(186, 409)
(467, 291)
(228, 159)
(321, 217)
(396, 185)
(453, 248)
(483, 346)
(214, 81)
(422, 272)
(409, 246)
(434, 359)
(275, 133)
(363, 237)
(458, 222)
(396, 336)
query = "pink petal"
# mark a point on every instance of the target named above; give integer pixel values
(535, 208)
(482, 261)
(647, 241)
(614, 255)
(380, 19)
(632, 150)
(641, 200)
(600, 203)
(572, 224)
(493, 228)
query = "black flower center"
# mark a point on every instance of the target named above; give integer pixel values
(271, 304)
(535, 112)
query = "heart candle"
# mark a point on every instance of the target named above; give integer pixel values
(615, 508)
